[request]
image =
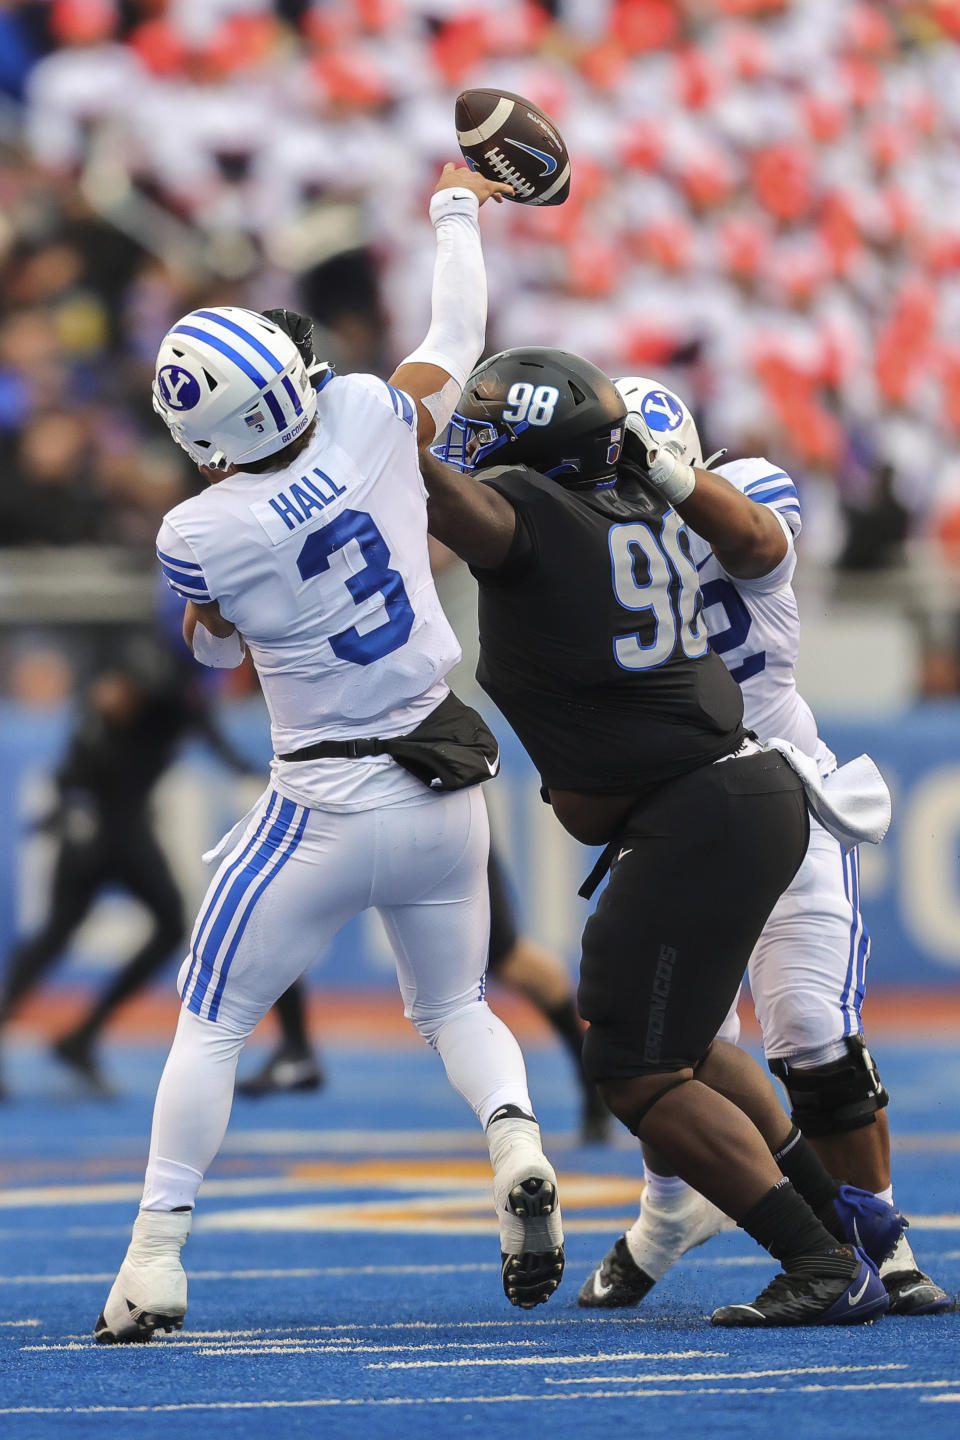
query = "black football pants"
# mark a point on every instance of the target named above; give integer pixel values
(702, 863)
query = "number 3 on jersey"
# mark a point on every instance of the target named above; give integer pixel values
(376, 578)
(653, 573)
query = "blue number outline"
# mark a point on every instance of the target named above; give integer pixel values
(375, 578)
(684, 629)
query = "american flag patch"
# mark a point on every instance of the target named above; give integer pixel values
(255, 419)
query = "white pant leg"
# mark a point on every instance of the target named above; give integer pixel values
(435, 907)
(808, 969)
(286, 886)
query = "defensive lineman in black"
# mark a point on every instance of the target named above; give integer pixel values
(592, 645)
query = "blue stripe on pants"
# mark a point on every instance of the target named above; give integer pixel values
(224, 880)
(214, 1010)
(848, 890)
(209, 950)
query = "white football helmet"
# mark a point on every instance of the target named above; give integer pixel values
(659, 417)
(231, 386)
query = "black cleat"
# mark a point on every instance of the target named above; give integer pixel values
(138, 1331)
(913, 1293)
(841, 1287)
(286, 1071)
(617, 1281)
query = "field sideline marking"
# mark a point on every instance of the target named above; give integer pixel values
(298, 1273)
(303, 1346)
(278, 1331)
(413, 1400)
(715, 1375)
(549, 1359)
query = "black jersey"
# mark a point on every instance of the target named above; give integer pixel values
(592, 641)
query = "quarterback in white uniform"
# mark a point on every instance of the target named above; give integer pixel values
(808, 970)
(309, 549)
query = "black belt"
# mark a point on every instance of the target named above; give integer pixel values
(449, 750)
(338, 749)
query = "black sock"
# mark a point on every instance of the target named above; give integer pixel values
(809, 1177)
(785, 1226)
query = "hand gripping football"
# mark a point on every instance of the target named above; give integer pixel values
(507, 138)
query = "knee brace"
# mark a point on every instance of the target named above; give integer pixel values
(837, 1097)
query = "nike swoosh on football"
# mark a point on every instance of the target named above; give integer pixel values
(549, 163)
(855, 1299)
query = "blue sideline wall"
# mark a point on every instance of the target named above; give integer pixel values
(911, 884)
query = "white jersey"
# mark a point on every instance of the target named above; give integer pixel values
(754, 625)
(323, 568)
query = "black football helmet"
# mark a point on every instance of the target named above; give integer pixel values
(544, 408)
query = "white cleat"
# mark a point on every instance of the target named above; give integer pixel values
(528, 1212)
(150, 1291)
(657, 1238)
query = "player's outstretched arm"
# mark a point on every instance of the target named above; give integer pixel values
(475, 521)
(747, 538)
(436, 372)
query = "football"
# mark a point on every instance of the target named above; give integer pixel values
(507, 138)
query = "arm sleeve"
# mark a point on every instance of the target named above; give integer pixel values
(180, 566)
(458, 320)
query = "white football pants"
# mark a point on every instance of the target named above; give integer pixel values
(808, 969)
(291, 880)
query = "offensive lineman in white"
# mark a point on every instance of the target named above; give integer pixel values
(310, 550)
(808, 970)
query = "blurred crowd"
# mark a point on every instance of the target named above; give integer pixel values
(765, 211)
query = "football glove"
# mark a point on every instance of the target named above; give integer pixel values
(300, 329)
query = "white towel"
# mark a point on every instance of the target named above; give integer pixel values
(219, 652)
(853, 803)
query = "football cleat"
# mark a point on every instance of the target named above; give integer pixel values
(841, 1287)
(617, 1281)
(869, 1223)
(528, 1211)
(911, 1292)
(658, 1237)
(284, 1071)
(150, 1291)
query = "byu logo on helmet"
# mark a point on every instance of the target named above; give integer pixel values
(661, 411)
(178, 388)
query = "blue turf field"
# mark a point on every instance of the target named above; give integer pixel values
(345, 1278)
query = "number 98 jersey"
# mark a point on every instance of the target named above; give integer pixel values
(592, 642)
(323, 567)
(754, 625)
